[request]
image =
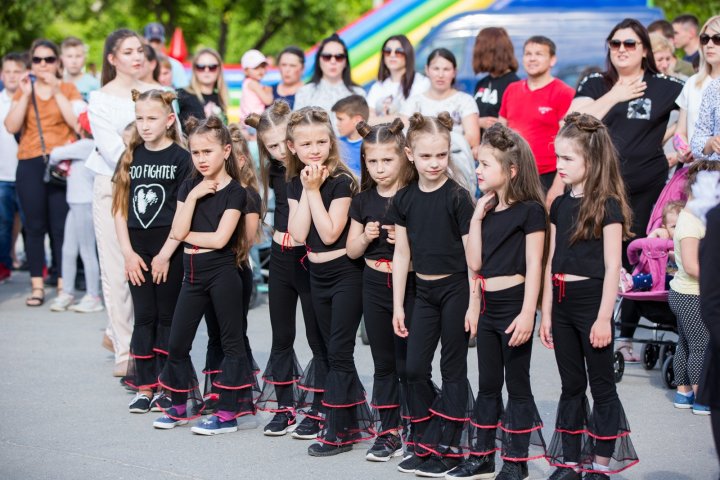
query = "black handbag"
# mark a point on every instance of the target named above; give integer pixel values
(54, 174)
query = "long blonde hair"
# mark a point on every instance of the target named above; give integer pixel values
(705, 68)
(220, 85)
(275, 115)
(334, 163)
(121, 177)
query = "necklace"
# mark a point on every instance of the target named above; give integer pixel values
(575, 195)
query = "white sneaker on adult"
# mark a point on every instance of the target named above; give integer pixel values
(62, 302)
(88, 304)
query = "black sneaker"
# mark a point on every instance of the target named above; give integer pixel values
(411, 463)
(140, 404)
(513, 471)
(437, 466)
(409, 451)
(596, 476)
(281, 423)
(385, 447)
(327, 450)
(564, 473)
(475, 468)
(308, 429)
(160, 402)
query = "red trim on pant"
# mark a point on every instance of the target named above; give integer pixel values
(157, 350)
(433, 451)
(141, 357)
(595, 436)
(385, 261)
(379, 407)
(447, 417)
(227, 387)
(559, 281)
(311, 389)
(497, 425)
(176, 389)
(331, 405)
(271, 382)
(529, 430)
(577, 467)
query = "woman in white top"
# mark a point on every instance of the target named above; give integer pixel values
(110, 111)
(331, 77)
(442, 96)
(692, 93)
(396, 82)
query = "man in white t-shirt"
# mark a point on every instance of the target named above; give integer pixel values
(13, 69)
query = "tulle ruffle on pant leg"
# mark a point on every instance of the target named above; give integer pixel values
(485, 425)
(280, 383)
(162, 345)
(235, 382)
(447, 433)
(311, 388)
(581, 435)
(520, 431)
(386, 406)
(142, 363)
(179, 379)
(347, 415)
(420, 396)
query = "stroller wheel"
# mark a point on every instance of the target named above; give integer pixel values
(649, 355)
(668, 372)
(618, 365)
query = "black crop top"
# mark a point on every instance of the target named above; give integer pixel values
(333, 187)
(210, 208)
(155, 177)
(276, 171)
(585, 258)
(503, 238)
(369, 206)
(435, 223)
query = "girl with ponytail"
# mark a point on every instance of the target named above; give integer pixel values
(146, 183)
(385, 169)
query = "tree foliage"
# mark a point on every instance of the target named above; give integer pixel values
(231, 26)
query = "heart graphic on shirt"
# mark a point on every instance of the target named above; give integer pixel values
(148, 200)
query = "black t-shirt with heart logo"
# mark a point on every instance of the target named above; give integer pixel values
(154, 180)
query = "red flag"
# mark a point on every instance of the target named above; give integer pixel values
(178, 49)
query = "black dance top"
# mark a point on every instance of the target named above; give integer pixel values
(503, 238)
(369, 206)
(155, 177)
(276, 171)
(585, 258)
(210, 208)
(333, 187)
(436, 222)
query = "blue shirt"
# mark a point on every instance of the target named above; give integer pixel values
(708, 122)
(87, 84)
(350, 153)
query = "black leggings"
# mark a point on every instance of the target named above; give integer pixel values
(439, 315)
(154, 307)
(579, 435)
(389, 351)
(44, 209)
(289, 281)
(641, 204)
(210, 278)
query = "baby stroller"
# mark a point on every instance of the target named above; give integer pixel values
(650, 256)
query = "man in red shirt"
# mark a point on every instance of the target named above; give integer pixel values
(535, 107)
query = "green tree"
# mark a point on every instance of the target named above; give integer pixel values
(701, 9)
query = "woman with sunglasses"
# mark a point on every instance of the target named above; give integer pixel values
(291, 63)
(111, 109)
(207, 94)
(331, 77)
(45, 99)
(699, 121)
(396, 81)
(634, 101)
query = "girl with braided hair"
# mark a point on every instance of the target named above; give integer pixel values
(587, 227)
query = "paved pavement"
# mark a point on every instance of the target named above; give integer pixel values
(65, 417)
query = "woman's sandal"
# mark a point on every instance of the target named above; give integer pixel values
(627, 353)
(34, 300)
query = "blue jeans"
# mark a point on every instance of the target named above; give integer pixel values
(8, 207)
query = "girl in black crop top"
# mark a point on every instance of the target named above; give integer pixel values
(147, 180)
(587, 228)
(210, 221)
(319, 193)
(432, 218)
(288, 281)
(505, 245)
(385, 169)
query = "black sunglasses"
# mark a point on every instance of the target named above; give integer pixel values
(630, 45)
(339, 57)
(48, 60)
(210, 68)
(705, 39)
(400, 52)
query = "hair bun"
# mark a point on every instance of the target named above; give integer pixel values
(363, 128)
(135, 93)
(396, 126)
(252, 120)
(215, 122)
(584, 122)
(416, 121)
(280, 108)
(446, 120)
(235, 132)
(168, 96)
(191, 124)
(499, 136)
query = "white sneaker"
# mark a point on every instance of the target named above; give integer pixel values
(62, 302)
(88, 304)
